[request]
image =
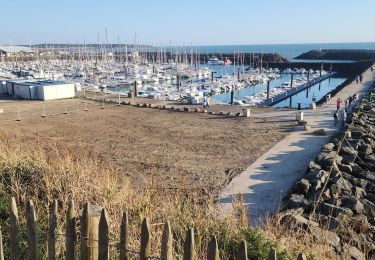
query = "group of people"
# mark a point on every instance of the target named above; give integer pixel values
(341, 115)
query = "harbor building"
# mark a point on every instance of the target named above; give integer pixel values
(14, 50)
(38, 89)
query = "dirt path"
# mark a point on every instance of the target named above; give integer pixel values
(271, 176)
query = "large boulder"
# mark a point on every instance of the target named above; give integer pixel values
(340, 185)
(325, 237)
(369, 210)
(348, 154)
(335, 211)
(353, 204)
(296, 201)
(364, 149)
(302, 187)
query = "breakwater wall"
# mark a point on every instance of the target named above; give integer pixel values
(336, 197)
(344, 68)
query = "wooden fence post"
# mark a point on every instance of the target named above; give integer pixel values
(189, 245)
(301, 256)
(32, 233)
(103, 236)
(124, 239)
(84, 231)
(1, 246)
(52, 232)
(70, 232)
(13, 230)
(90, 232)
(213, 249)
(166, 243)
(272, 255)
(242, 252)
(145, 240)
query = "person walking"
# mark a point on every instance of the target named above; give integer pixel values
(338, 103)
(335, 118)
(357, 79)
(207, 102)
(361, 78)
(350, 100)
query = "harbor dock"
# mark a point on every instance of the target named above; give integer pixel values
(293, 91)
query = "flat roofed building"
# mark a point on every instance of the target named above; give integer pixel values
(38, 89)
(10, 50)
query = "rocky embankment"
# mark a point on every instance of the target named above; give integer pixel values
(335, 201)
(354, 55)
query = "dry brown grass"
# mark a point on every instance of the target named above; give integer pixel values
(53, 172)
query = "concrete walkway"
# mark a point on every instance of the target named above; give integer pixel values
(269, 178)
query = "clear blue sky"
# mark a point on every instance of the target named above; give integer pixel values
(197, 22)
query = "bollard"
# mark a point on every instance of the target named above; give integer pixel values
(18, 114)
(44, 110)
(66, 108)
(85, 106)
(246, 112)
(232, 96)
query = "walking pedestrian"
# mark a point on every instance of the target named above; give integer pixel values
(350, 100)
(207, 102)
(361, 78)
(335, 118)
(357, 79)
(338, 103)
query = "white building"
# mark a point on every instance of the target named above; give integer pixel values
(10, 50)
(38, 89)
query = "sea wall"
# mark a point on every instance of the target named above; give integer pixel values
(344, 68)
(336, 197)
(356, 55)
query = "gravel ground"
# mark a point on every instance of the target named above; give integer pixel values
(152, 147)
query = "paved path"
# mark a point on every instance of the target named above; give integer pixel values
(268, 179)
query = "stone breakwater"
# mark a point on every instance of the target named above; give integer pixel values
(335, 201)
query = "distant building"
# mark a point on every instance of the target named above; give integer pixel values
(38, 89)
(14, 50)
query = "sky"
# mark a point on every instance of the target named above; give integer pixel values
(188, 22)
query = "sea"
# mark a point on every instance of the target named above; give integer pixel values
(288, 51)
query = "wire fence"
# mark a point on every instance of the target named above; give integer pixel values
(93, 241)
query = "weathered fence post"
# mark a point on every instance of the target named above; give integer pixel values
(89, 232)
(145, 240)
(32, 233)
(242, 252)
(124, 237)
(213, 249)
(301, 256)
(103, 236)
(272, 255)
(84, 231)
(189, 245)
(13, 230)
(1, 246)
(166, 243)
(52, 231)
(70, 232)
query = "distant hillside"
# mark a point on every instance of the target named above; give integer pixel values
(355, 55)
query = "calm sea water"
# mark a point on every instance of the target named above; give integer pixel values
(289, 51)
(315, 92)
